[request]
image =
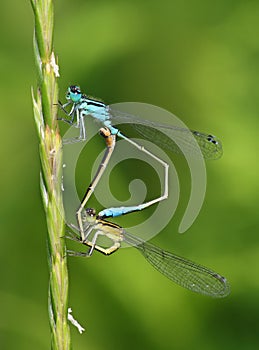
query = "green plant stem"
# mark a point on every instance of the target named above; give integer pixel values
(50, 149)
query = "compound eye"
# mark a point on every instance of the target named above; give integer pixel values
(211, 139)
(75, 89)
(91, 212)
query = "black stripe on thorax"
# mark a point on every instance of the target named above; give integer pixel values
(109, 224)
(93, 102)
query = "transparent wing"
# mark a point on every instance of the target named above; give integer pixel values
(172, 137)
(184, 272)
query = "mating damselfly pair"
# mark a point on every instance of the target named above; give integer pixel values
(91, 225)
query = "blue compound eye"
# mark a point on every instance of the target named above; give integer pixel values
(75, 89)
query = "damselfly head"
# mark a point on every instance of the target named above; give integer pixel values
(89, 215)
(74, 93)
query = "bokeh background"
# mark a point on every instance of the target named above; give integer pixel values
(198, 59)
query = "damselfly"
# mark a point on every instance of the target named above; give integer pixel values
(186, 273)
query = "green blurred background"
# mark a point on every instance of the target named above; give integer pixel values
(198, 59)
